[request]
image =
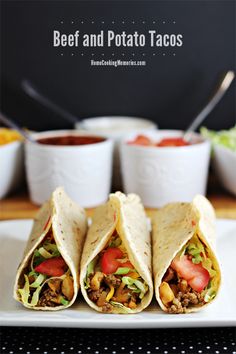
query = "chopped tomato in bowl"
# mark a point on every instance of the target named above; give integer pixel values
(172, 142)
(143, 140)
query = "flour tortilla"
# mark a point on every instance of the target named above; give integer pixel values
(125, 214)
(173, 226)
(69, 225)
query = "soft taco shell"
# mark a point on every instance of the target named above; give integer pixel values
(125, 214)
(173, 226)
(69, 225)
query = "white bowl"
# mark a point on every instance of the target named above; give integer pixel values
(224, 163)
(116, 128)
(83, 170)
(161, 175)
(11, 167)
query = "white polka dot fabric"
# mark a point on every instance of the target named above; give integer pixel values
(33, 340)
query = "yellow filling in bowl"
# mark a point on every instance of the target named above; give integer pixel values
(8, 136)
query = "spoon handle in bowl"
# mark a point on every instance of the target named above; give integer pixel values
(9, 123)
(223, 87)
(33, 92)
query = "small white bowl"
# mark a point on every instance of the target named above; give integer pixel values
(11, 167)
(224, 163)
(162, 175)
(116, 128)
(83, 170)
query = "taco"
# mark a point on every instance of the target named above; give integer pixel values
(116, 274)
(186, 271)
(48, 276)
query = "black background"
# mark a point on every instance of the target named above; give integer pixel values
(170, 90)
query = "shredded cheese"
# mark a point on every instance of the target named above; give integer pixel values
(111, 293)
(134, 275)
(8, 136)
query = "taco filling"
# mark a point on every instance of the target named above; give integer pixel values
(190, 279)
(47, 281)
(112, 281)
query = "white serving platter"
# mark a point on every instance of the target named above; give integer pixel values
(222, 312)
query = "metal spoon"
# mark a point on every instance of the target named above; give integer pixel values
(11, 124)
(223, 87)
(34, 93)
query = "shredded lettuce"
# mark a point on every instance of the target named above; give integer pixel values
(130, 282)
(207, 264)
(196, 250)
(123, 308)
(49, 250)
(64, 301)
(209, 295)
(91, 266)
(35, 297)
(38, 281)
(227, 138)
(44, 253)
(115, 242)
(36, 253)
(25, 292)
(52, 247)
(33, 273)
(90, 270)
(123, 270)
(36, 259)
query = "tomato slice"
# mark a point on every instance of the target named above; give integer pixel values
(196, 276)
(54, 267)
(141, 140)
(172, 142)
(126, 265)
(109, 263)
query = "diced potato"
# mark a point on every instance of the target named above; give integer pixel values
(96, 281)
(132, 304)
(183, 285)
(122, 295)
(67, 287)
(166, 294)
(54, 285)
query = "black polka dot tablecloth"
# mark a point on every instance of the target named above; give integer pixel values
(33, 340)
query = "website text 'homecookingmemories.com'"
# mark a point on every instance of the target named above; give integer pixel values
(117, 63)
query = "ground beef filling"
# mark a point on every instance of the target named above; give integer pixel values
(184, 295)
(100, 286)
(54, 291)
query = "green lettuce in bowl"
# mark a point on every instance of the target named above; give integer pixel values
(226, 138)
(224, 155)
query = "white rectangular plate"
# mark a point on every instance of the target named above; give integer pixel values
(222, 312)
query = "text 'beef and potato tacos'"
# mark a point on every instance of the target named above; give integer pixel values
(186, 271)
(48, 276)
(116, 274)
